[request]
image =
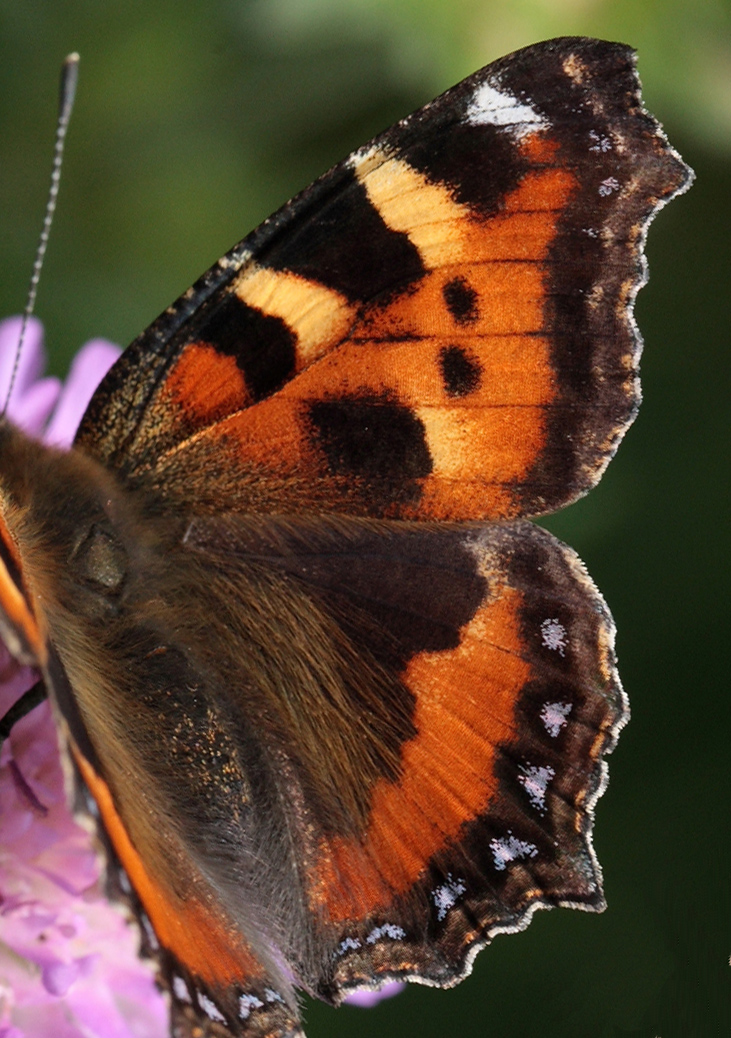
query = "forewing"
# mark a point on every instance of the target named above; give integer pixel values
(440, 327)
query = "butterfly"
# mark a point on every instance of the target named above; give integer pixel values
(340, 710)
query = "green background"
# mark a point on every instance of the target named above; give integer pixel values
(196, 120)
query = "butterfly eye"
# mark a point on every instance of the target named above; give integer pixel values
(101, 560)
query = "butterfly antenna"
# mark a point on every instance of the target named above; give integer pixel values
(69, 79)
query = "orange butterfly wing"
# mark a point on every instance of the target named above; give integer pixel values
(440, 328)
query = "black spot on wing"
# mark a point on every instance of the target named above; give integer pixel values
(373, 440)
(461, 300)
(264, 347)
(347, 246)
(461, 373)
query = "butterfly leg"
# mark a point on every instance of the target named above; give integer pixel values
(30, 699)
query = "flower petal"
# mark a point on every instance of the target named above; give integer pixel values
(32, 400)
(368, 999)
(88, 368)
(31, 411)
(32, 360)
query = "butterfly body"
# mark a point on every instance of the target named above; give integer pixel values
(340, 710)
(134, 671)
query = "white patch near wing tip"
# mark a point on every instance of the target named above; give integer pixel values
(496, 108)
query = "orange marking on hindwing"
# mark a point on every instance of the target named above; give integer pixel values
(465, 700)
(189, 928)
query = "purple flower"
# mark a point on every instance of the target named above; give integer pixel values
(367, 999)
(42, 406)
(69, 964)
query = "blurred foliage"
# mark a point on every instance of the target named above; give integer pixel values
(193, 122)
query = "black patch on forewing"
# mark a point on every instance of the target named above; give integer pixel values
(461, 300)
(479, 164)
(347, 246)
(605, 73)
(263, 346)
(461, 373)
(373, 440)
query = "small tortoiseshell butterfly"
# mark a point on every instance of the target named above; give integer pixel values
(340, 710)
